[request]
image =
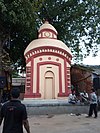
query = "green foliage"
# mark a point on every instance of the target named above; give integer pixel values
(15, 74)
(75, 20)
(18, 26)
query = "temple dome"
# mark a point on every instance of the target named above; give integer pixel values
(47, 42)
(47, 37)
(46, 25)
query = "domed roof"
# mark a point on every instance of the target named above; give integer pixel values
(47, 42)
(46, 25)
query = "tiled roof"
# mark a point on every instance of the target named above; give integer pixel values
(97, 71)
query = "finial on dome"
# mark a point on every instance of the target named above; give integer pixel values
(47, 31)
(46, 22)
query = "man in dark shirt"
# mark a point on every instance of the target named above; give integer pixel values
(14, 114)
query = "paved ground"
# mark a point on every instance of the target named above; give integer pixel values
(66, 123)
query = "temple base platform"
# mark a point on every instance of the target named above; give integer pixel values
(54, 106)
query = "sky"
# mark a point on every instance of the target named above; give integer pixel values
(89, 60)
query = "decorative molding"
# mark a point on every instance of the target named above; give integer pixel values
(47, 50)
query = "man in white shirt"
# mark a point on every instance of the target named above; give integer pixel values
(93, 104)
(72, 98)
(84, 97)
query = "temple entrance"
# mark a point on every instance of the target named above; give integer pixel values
(49, 91)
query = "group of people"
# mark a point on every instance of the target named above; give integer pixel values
(84, 97)
(80, 98)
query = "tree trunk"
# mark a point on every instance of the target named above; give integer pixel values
(0, 67)
(1, 71)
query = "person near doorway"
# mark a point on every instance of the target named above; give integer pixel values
(14, 114)
(93, 104)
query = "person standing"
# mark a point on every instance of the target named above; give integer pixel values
(93, 104)
(14, 114)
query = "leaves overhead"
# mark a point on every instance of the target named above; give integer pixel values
(18, 26)
(75, 20)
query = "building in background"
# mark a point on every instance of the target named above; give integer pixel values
(82, 78)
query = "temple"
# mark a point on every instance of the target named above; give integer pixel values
(48, 62)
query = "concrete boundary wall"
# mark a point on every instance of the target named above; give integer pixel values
(44, 110)
(58, 107)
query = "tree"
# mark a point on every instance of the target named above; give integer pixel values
(77, 22)
(17, 27)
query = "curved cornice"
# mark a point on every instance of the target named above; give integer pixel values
(48, 50)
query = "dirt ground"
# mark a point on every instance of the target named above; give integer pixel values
(65, 123)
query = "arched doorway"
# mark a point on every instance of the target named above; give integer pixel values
(49, 90)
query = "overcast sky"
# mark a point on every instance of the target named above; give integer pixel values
(92, 60)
